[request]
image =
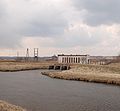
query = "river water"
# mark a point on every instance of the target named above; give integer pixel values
(36, 92)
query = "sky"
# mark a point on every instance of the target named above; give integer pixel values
(60, 27)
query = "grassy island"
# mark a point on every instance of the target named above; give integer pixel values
(109, 74)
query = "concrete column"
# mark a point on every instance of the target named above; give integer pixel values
(60, 67)
(80, 60)
(67, 59)
(77, 59)
(63, 59)
(54, 67)
(70, 59)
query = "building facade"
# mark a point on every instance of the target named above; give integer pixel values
(73, 59)
(86, 59)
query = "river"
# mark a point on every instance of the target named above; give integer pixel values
(36, 92)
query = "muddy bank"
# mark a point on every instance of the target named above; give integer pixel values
(89, 73)
(4, 106)
(22, 66)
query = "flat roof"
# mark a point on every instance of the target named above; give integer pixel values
(72, 55)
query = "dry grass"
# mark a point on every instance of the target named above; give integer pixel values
(19, 66)
(4, 106)
(114, 65)
(91, 73)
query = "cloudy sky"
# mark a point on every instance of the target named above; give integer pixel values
(60, 26)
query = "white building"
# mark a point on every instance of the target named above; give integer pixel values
(73, 59)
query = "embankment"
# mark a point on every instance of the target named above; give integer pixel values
(4, 106)
(21, 66)
(90, 73)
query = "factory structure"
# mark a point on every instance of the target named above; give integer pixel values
(80, 59)
(85, 59)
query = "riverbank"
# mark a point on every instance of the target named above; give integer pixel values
(109, 74)
(4, 106)
(22, 66)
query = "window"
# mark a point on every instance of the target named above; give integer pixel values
(78, 60)
(74, 60)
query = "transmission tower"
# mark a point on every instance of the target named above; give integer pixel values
(36, 54)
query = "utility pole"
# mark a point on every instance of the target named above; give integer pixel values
(17, 54)
(17, 57)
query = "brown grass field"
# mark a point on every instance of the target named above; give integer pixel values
(7, 66)
(109, 74)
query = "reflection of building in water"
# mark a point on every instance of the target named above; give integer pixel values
(79, 59)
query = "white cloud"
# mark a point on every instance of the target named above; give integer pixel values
(58, 26)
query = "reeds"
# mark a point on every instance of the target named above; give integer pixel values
(4, 106)
(89, 73)
(20, 66)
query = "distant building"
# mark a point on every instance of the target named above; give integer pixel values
(102, 59)
(86, 59)
(73, 59)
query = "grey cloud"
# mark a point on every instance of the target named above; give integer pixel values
(2, 10)
(99, 11)
(77, 37)
(8, 36)
(45, 25)
(80, 40)
(24, 18)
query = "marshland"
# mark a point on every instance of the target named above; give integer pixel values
(25, 84)
(109, 74)
(11, 66)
